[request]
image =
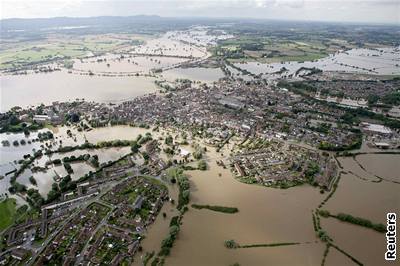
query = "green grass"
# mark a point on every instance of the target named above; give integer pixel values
(268, 245)
(216, 208)
(232, 244)
(42, 51)
(379, 227)
(132, 196)
(7, 213)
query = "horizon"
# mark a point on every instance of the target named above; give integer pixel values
(338, 11)
(360, 23)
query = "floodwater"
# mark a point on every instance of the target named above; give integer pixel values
(160, 228)
(269, 215)
(358, 195)
(366, 245)
(365, 198)
(265, 216)
(167, 46)
(115, 133)
(129, 64)
(33, 89)
(384, 165)
(199, 36)
(207, 75)
(117, 81)
(11, 153)
(382, 61)
(46, 179)
(336, 258)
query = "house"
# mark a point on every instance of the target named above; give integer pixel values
(41, 118)
(376, 129)
(19, 254)
(239, 169)
(382, 145)
(138, 202)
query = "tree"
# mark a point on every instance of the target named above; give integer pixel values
(145, 156)
(169, 140)
(65, 183)
(231, 244)
(32, 180)
(202, 165)
(173, 230)
(197, 154)
(135, 146)
(372, 99)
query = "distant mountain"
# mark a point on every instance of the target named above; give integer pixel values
(34, 28)
(43, 23)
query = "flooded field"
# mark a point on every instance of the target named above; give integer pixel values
(385, 61)
(358, 195)
(266, 216)
(202, 74)
(384, 165)
(199, 36)
(113, 78)
(44, 179)
(366, 245)
(160, 228)
(169, 45)
(114, 133)
(114, 64)
(335, 258)
(260, 220)
(26, 90)
(11, 152)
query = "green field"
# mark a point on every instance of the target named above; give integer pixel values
(64, 47)
(271, 50)
(7, 212)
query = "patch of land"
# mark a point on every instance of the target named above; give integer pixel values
(8, 210)
(216, 208)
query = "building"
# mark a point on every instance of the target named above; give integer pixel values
(19, 254)
(41, 118)
(382, 145)
(239, 169)
(376, 129)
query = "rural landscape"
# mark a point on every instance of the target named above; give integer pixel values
(152, 140)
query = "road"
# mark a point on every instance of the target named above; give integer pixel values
(104, 189)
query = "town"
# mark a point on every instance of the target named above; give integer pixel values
(167, 141)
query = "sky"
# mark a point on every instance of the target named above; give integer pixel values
(370, 11)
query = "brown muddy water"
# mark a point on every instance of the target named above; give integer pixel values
(114, 64)
(273, 216)
(34, 89)
(336, 258)
(364, 198)
(207, 75)
(364, 244)
(382, 165)
(361, 197)
(265, 216)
